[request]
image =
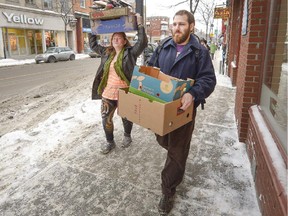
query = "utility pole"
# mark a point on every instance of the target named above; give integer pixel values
(139, 7)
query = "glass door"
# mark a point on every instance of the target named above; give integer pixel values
(38, 41)
(22, 45)
(13, 45)
(17, 44)
(31, 42)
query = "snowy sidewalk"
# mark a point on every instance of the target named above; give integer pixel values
(63, 173)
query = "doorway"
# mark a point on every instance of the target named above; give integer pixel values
(17, 45)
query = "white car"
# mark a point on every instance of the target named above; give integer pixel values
(54, 54)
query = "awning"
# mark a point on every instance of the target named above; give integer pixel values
(81, 14)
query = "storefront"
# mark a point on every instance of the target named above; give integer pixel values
(86, 30)
(257, 65)
(83, 28)
(28, 31)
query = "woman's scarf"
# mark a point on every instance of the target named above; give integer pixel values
(118, 69)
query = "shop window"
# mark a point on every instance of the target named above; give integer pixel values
(16, 42)
(82, 3)
(64, 4)
(31, 41)
(13, 44)
(86, 23)
(16, 31)
(274, 87)
(12, 1)
(30, 1)
(47, 4)
(50, 39)
(245, 18)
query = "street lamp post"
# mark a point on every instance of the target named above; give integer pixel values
(139, 7)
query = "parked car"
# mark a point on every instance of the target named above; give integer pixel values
(148, 52)
(91, 53)
(54, 54)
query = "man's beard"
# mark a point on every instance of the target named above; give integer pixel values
(179, 39)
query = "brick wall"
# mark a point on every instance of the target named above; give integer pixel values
(249, 66)
(234, 40)
(154, 28)
(77, 7)
(79, 24)
(252, 62)
(270, 194)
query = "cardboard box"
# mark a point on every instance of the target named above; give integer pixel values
(109, 14)
(121, 24)
(145, 95)
(151, 81)
(161, 118)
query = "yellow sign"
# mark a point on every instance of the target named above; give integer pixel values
(221, 13)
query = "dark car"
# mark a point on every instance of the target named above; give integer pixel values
(54, 54)
(91, 53)
(148, 52)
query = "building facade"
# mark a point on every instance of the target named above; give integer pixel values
(257, 40)
(157, 28)
(29, 27)
(83, 27)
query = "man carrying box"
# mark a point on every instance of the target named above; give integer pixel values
(183, 57)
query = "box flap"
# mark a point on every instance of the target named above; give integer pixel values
(152, 81)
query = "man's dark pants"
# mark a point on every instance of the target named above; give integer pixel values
(177, 143)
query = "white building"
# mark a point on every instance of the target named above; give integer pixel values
(28, 27)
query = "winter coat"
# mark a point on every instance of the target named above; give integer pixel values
(186, 65)
(129, 58)
(213, 48)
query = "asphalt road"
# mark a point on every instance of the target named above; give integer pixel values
(19, 79)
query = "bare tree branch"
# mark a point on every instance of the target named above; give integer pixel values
(197, 2)
(180, 3)
(190, 2)
(206, 11)
(66, 12)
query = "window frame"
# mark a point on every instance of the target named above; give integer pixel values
(31, 2)
(49, 3)
(272, 98)
(83, 3)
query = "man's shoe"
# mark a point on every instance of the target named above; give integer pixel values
(107, 147)
(165, 204)
(126, 142)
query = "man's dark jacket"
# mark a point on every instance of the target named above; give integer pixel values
(187, 65)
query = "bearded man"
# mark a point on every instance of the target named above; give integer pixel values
(183, 57)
